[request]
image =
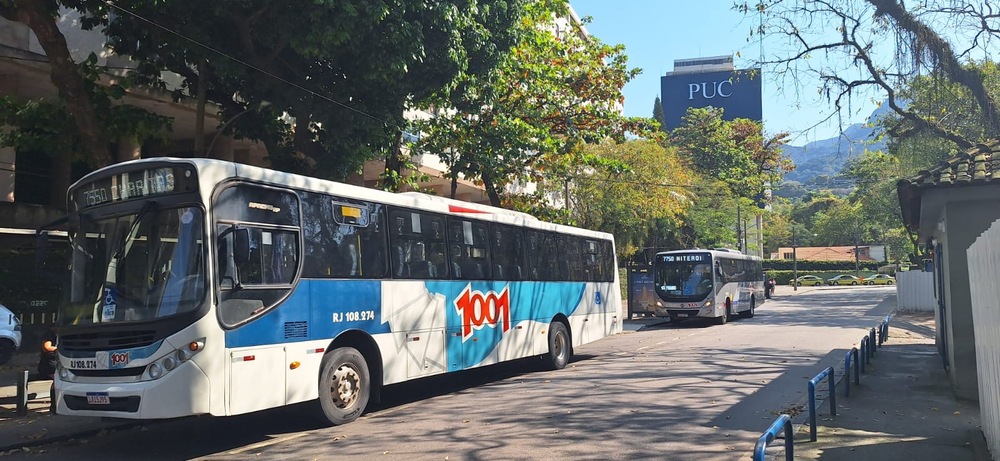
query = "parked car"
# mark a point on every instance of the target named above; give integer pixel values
(808, 280)
(880, 279)
(844, 279)
(10, 334)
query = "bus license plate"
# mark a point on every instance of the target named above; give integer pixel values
(98, 398)
(682, 315)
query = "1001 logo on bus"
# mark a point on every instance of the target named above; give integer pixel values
(478, 309)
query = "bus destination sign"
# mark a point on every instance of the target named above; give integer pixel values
(692, 258)
(126, 186)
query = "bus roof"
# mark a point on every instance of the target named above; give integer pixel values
(716, 253)
(212, 172)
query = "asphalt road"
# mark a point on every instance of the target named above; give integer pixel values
(657, 391)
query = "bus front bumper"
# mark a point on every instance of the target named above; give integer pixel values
(184, 391)
(684, 313)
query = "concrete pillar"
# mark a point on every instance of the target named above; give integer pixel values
(7, 156)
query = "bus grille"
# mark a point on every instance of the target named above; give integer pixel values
(123, 404)
(102, 341)
(296, 330)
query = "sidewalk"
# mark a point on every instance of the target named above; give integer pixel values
(38, 427)
(904, 408)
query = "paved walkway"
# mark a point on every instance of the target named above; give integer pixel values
(904, 408)
(39, 427)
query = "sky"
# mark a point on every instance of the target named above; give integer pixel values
(656, 32)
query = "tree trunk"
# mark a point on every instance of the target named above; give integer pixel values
(491, 190)
(60, 180)
(65, 75)
(393, 176)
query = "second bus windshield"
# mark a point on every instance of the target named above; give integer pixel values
(677, 278)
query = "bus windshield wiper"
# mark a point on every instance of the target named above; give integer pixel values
(146, 207)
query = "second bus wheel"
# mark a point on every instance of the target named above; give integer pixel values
(344, 385)
(560, 346)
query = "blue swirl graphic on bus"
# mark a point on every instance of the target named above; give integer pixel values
(479, 313)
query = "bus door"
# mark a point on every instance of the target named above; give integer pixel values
(259, 247)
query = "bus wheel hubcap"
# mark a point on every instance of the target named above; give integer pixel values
(347, 384)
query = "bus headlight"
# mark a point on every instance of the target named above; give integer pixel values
(174, 359)
(708, 303)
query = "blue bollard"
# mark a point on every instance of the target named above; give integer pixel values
(783, 422)
(847, 371)
(864, 353)
(828, 374)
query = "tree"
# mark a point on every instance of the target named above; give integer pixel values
(344, 78)
(879, 46)
(649, 187)
(69, 79)
(658, 113)
(529, 119)
(735, 152)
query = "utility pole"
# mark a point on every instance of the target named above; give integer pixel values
(795, 264)
(739, 229)
(857, 262)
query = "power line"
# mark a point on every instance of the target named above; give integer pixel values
(242, 62)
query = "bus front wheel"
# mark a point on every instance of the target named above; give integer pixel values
(725, 315)
(344, 385)
(560, 346)
(749, 313)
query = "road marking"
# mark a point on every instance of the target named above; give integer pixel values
(266, 443)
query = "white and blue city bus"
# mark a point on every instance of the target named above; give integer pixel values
(716, 284)
(208, 287)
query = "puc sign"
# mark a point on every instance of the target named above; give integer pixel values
(737, 93)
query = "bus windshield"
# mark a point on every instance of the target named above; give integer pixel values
(136, 267)
(683, 280)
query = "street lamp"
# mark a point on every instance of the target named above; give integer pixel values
(222, 129)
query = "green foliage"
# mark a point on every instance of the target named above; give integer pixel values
(640, 185)
(658, 112)
(528, 119)
(343, 78)
(46, 127)
(735, 152)
(817, 266)
(784, 277)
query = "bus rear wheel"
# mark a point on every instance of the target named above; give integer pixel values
(560, 346)
(344, 385)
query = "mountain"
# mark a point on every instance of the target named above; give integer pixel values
(820, 161)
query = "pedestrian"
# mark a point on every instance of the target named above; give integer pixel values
(47, 361)
(769, 287)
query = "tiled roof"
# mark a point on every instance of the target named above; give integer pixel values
(977, 166)
(828, 253)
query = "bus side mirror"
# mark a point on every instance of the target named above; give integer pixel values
(241, 245)
(718, 269)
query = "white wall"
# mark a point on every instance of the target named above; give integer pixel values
(984, 271)
(915, 291)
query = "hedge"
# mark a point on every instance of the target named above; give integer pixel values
(786, 265)
(785, 277)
